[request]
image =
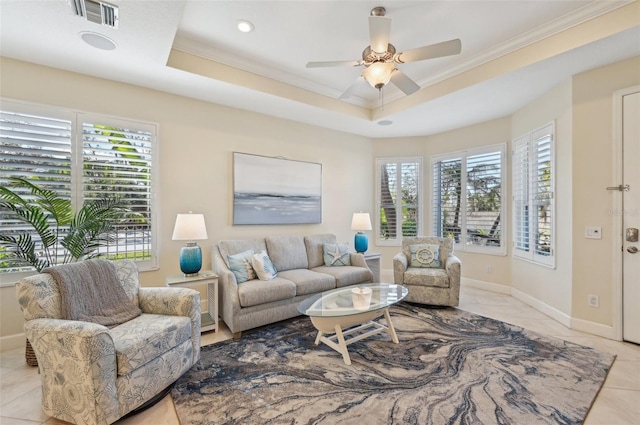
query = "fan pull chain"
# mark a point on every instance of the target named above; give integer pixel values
(381, 99)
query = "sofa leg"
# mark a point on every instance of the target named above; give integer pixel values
(237, 335)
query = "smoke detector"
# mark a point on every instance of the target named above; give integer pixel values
(96, 11)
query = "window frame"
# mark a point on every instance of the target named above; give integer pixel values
(397, 241)
(77, 118)
(528, 140)
(464, 156)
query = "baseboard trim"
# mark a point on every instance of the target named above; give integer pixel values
(487, 286)
(593, 328)
(11, 342)
(543, 308)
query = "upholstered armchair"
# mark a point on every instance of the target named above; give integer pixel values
(92, 374)
(428, 268)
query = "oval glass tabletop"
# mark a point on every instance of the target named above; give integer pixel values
(352, 300)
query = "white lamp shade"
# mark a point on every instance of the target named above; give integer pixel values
(361, 221)
(189, 227)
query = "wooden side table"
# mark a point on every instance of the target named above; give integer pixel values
(373, 260)
(210, 317)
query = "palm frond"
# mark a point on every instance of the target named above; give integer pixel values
(23, 249)
(59, 208)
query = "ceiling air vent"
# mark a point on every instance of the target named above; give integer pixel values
(96, 11)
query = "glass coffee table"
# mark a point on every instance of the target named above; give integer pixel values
(348, 313)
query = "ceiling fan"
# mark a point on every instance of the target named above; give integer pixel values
(380, 57)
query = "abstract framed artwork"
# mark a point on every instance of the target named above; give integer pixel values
(274, 190)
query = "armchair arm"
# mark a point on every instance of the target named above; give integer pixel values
(175, 302)
(228, 290)
(77, 361)
(400, 264)
(452, 266)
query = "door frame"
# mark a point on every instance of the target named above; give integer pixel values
(617, 210)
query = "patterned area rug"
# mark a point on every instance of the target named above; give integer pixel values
(451, 367)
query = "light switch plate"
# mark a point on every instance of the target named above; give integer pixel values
(593, 232)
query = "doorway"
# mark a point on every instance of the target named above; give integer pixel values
(628, 123)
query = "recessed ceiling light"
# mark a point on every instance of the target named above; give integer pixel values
(385, 122)
(245, 26)
(98, 41)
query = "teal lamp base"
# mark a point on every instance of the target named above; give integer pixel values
(361, 242)
(190, 259)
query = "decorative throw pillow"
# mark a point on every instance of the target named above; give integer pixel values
(240, 265)
(263, 266)
(336, 254)
(425, 255)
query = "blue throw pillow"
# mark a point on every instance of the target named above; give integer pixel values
(240, 265)
(336, 254)
(425, 255)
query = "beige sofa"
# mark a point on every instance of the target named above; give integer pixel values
(301, 271)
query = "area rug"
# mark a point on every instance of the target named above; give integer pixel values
(450, 367)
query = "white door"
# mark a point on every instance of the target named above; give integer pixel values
(631, 218)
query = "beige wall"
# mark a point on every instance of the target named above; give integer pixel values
(550, 286)
(593, 159)
(196, 144)
(483, 134)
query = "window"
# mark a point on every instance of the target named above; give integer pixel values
(398, 199)
(467, 198)
(83, 157)
(533, 200)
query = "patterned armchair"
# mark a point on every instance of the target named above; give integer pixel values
(428, 268)
(92, 374)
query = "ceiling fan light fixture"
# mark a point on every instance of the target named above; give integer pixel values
(378, 74)
(245, 26)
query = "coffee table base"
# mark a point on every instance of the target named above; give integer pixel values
(340, 340)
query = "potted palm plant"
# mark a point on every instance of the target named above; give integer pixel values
(62, 236)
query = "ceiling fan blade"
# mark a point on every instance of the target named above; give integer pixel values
(331, 64)
(404, 83)
(379, 28)
(348, 92)
(446, 48)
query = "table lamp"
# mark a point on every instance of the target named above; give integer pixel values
(360, 222)
(190, 227)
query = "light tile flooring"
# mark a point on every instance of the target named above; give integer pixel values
(618, 403)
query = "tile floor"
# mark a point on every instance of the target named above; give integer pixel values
(617, 404)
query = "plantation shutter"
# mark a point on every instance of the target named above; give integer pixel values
(520, 181)
(533, 196)
(398, 198)
(35, 144)
(542, 192)
(484, 199)
(117, 161)
(447, 200)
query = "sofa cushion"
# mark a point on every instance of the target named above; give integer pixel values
(241, 266)
(426, 277)
(146, 337)
(446, 245)
(232, 247)
(287, 252)
(336, 254)
(263, 266)
(256, 292)
(347, 275)
(309, 282)
(314, 245)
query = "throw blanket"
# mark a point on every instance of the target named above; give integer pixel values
(90, 292)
